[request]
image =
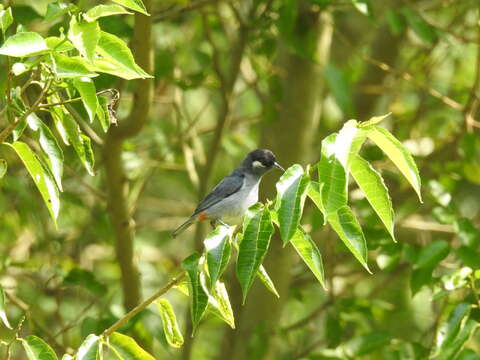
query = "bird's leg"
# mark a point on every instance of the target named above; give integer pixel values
(213, 223)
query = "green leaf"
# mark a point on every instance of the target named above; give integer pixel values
(50, 146)
(220, 304)
(373, 120)
(308, 251)
(198, 296)
(364, 344)
(432, 254)
(265, 279)
(314, 193)
(56, 9)
(125, 348)
(218, 249)
(3, 167)
(257, 231)
(6, 19)
(419, 278)
(117, 59)
(346, 225)
(90, 348)
(454, 333)
(58, 44)
(136, 5)
(373, 187)
(23, 44)
(37, 349)
(80, 142)
(88, 93)
(41, 178)
(3, 314)
(105, 10)
(341, 88)
(398, 154)
(291, 192)
(169, 320)
(71, 66)
(84, 36)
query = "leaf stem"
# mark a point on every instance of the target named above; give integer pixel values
(143, 305)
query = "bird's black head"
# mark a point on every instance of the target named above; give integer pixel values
(260, 161)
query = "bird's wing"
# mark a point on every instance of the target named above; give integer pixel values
(228, 186)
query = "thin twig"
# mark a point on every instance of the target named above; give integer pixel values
(122, 321)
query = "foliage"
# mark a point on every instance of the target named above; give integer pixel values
(64, 67)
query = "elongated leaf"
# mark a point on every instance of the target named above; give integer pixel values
(105, 10)
(374, 120)
(348, 142)
(6, 19)
(265, 279)
(453, 333)
(58, 44)
(84, 36)
(125, 348)
(400, 156)
(218, 249)
(198, 296)
(56, 9)
(37, 349)
(3, 314)
(41, 178)
(449, 352)
(80, 142)
(432, 254)
(291, 192)
(90, 348)
(117, 59)
(346, 225)
(257, 231)
(88, 93)
(71, 67)
(333, 177)
(219, 303)
(373, 187)
(23, 44)
(169, 320)
(136, 5)
(308, 251)
(314, 192)
(3, 167)
(50, 146)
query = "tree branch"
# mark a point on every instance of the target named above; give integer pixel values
(143, 305)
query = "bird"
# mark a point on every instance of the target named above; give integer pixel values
(232, 196)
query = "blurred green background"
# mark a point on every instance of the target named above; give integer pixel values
(231, 76)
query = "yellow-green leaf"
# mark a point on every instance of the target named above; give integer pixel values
(125, 348)
(219, 303)
(373, 187)
(136, 5)
(169, 320)
(3, 314)
(105, 10)
(88, 93)
(84, 36)
(45, 184)
(267, 281)
(400, 156)
(23, 44)
(37, 349)
(90, 349)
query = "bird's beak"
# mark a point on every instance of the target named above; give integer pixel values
(278, 166)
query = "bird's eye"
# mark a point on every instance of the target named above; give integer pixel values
(257, 164)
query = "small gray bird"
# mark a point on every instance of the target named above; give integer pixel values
(235, 193)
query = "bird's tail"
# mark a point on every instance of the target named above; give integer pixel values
(184, 226)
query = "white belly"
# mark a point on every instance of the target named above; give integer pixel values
(232, 208)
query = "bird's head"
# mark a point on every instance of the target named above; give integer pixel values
(260, 161)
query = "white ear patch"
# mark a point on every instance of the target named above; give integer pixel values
(257, 164)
